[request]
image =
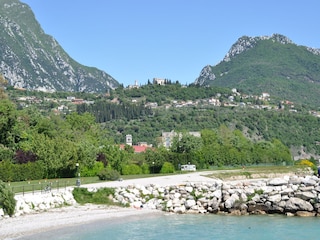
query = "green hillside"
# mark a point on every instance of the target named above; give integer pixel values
(284, 70)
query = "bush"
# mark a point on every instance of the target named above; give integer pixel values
(10, 172)
(305, 162)
(167, 168)
(29, 171)
(131, 169)
(93, 171)
(7, 201)
(108, 174)
(145, 168)
(101, 196)
(5, 153)
(7, 171)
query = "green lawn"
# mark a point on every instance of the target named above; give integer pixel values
(222, 173)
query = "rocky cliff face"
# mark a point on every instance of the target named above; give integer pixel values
(244, 43)
(31, 59)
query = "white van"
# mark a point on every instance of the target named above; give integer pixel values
(188, 167)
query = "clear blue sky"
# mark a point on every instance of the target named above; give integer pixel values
(174, 39)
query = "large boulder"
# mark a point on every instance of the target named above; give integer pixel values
(297, 204)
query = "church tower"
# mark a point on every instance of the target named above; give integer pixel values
(129, 139)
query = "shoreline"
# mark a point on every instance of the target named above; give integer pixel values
(48, 220)
(58, 218)
(61, 217)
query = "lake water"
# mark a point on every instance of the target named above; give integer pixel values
(185, 227)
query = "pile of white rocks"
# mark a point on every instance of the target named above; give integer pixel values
(292, 195)
(39, 202)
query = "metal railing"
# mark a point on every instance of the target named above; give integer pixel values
(42, 187)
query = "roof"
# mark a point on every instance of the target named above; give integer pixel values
(137, 149)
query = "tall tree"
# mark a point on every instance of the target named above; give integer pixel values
(7, 122)
(3, 83)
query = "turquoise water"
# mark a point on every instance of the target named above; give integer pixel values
(193, 227)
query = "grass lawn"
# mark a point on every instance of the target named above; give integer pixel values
(221, 173)
(251, 172)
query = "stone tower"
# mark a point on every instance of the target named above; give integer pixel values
(129, 139)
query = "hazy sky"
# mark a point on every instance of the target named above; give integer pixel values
(174, 39)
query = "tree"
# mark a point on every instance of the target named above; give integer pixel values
(167, 168)
(81, 122)
(3, 83)
(7, 201)
(185, 143)
(7, 122)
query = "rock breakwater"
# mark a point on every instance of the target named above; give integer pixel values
(292, 195)
(33, 203)
(289, 195)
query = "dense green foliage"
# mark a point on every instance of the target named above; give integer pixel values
(124, 108)
(11, 172)
(294, 129)
(218, 147)
(165, 94)
(7, 201)
(106, 111)
(36, 144)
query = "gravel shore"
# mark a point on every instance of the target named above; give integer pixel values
(29, 224)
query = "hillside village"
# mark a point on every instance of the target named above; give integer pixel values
(48, 104)
(237, 99)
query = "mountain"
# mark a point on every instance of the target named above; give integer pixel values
(272, 64)
(31, 59)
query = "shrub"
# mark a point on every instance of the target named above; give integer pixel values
(108, 174)
(131, 169)
(24, 156)
(28, 171)
(93, 171)
(5, 153)
(21, 172)
(7, 201)
(167, 168)
(101, 196)
(145, 168)
(7, 171)
(82, 195)
(305, 162)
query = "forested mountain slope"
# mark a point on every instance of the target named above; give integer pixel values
(298, 130)
(272, 64)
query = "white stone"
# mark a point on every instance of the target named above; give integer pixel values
(169, 204)
(189, 189)
(229, 203)
(180, 209)
(217, 194)
(1, 212)
(275, 198)
(278, 182)
(190, 203)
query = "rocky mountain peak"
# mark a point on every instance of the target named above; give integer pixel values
(205, 74)
(244, 43)
(33, 60)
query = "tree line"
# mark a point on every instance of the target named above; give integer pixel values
(219, 147)
(33, 146)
